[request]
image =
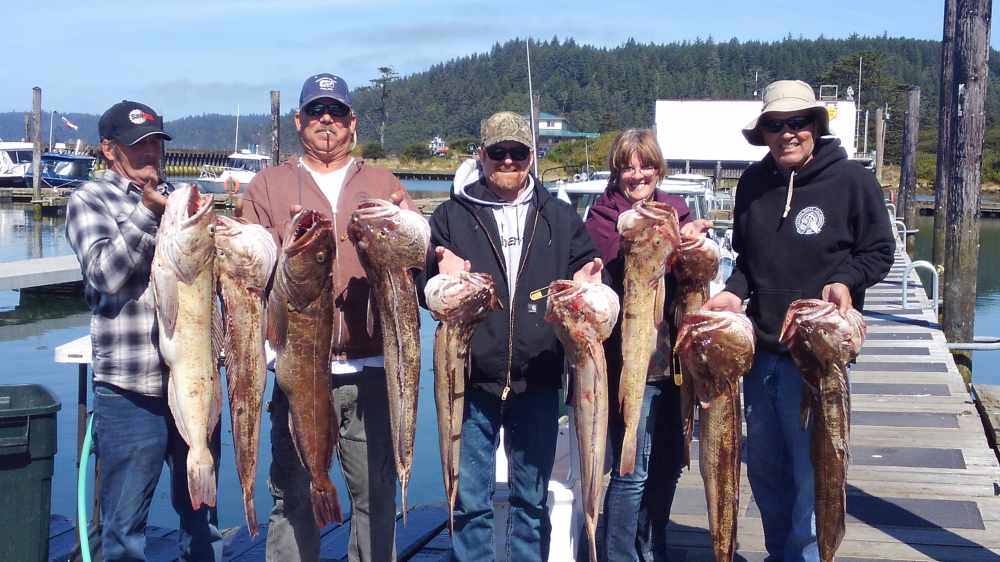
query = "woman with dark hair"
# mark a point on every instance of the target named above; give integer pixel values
(637, 505)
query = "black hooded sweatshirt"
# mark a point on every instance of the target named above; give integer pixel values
(837, 230)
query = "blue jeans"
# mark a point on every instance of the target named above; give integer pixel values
(779, 464)
(134, 435)
(637, 508)
(365, 450)
(531, 425)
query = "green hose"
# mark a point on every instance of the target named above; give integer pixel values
(81, 494)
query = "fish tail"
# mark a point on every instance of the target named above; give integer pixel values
(592, 537)
(403, 481)
(627, 463)
(250, 512)
(326, 504)
(201, 477)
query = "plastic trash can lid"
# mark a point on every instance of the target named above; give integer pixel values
(19, 400)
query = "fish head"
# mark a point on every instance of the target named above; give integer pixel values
(815, 330)
(308, 253)
(696, 261)
(186, 236)
(587, 311)
(651, 228)
(715, 348)
(244, 252)
(385, 233)
(465, 297)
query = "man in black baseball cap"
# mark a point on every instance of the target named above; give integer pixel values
(132, 143)
(111, 224)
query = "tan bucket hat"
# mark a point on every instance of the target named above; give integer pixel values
(788, 95)
(505, 126)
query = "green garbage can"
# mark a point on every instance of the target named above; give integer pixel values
(27, 449)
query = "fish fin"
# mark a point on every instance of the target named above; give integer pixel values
(277, 322)
(660, 301)
(175, 409)
(218, 330)
(325, 503)
(805, 412)
(295, 442)
(250, 512)
(165, 292)
(201, 477)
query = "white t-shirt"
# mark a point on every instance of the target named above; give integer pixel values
(331, 183)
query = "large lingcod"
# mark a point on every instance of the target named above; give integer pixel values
(823, 341)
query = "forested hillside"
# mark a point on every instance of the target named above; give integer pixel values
(597, 89)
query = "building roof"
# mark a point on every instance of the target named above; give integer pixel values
(562, 133)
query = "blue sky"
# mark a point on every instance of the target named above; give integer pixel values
(188, 57)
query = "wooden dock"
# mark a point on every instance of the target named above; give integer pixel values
(923, 480)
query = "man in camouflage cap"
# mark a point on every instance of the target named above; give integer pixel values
(499, 220)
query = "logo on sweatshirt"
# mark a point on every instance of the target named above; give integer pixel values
(809, 221)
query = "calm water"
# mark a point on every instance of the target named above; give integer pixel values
(31, 328)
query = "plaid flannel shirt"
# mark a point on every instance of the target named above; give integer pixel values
(114, 237)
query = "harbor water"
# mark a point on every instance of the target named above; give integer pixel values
(31, 326)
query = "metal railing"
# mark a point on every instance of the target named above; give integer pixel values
(979, 343)
(927, 266)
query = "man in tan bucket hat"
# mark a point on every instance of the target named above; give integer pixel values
(808, 224)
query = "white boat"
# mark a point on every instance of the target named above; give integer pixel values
(15, 162)
(240, 168)
(697, 192)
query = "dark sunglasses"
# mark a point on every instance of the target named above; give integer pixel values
(335, 109)
(796, 123)
(517, 153)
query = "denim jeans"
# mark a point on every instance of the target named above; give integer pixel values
(134, 435)
(779, 464)
(531, 426)
(636, 506)
(365, 450)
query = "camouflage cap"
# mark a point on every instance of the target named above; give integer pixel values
(505, 126)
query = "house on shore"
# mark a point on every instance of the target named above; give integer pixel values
(553, 129)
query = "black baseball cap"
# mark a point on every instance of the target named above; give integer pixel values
(128, 122)
(324, 85)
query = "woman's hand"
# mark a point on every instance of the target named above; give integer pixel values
(724, 302)
(695, 229)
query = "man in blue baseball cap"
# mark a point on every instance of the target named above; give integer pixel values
(327, 178)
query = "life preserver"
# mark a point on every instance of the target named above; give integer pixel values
(231, 182)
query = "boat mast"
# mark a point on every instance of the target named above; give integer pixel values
(531, 108)
(236, 141)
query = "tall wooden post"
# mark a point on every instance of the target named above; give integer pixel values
(36, 155)
(946, 114)
(907, 203)
(972, 45)
(879, 144)
(275, 127)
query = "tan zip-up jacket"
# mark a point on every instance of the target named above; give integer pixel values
(267, 201)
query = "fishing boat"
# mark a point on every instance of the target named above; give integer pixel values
(240, 168)
(15, 162)
(62, 170)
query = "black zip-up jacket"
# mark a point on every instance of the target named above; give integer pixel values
(837, 231)
(517, 341)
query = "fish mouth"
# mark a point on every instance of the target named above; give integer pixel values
(198, 205)
(806, 310)
(309, 226)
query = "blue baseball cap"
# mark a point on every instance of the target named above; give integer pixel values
(324, 85)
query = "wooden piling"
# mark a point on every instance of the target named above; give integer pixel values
(879, 144)
(906, 208)
(36, 153)
(946, 114)
(972, 33)
(275, 127)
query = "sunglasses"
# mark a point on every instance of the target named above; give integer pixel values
(335, 109)
(517, 153)
(796, 123)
